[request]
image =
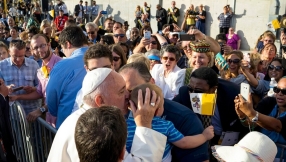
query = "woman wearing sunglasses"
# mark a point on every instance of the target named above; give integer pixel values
(233, 72)
(269, 117)
(267, 55)
(119, 56)
(168, 76)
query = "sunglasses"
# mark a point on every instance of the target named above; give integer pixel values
(115, 58)
(191, 90)
(119, 35)
(168, 58)
(235, 61)
(91, 32)
(153, 42)
(277, 68)
(187, 47)
(277, 90)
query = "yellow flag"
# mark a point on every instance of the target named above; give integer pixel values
(203, 103)
(52, 13)
(45, 71)
(275, 24)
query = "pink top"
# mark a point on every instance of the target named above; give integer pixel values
(233, 41)
(43, 82)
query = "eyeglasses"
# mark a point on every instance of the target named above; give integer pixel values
(119, 35)
(235, 61)
(168, 58)
(277, 90)
(115, 58)
(270, 41)
(41, 46)
(187, 47)
(191, 90)
(277, 68)
(153, 42)
(27, 49)
(92, 32)
(107, 66)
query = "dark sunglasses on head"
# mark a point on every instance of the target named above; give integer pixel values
(168, 58)
(277, 68)
(91, 32)
(235, 61)
(116, 58)
(191, 90)
(277, 90)
(153, 42)
(119, 35)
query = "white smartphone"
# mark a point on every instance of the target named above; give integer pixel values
(244, 90)
(147, 35)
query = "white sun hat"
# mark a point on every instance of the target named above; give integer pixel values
(253, 147)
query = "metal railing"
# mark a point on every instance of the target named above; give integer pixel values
(32, 141)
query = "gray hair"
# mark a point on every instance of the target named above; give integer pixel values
(153, 52)
(100, 90)
(91, 25)
(172, 49)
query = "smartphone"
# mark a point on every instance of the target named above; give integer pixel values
(147, 35)
(18, 89)
(171, 28)
(246, 57)
(244, 90)
(104, 12)
(187, 37)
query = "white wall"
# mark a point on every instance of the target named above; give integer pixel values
(250, 19)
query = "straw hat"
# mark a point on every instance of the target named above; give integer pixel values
(254, 147)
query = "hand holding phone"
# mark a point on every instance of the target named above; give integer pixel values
(103, 12)
(245, 90)
(147, 35)
(17, 89)
(171, 28)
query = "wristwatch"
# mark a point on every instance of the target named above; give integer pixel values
(255, 119)
(42, 109)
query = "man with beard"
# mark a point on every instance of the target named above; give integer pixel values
(41, 46)
(19, 71)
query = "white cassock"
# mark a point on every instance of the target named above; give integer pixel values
(148, 145)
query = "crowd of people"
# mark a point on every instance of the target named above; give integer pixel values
(104, 85)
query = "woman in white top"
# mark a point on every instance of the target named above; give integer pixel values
(168, 76)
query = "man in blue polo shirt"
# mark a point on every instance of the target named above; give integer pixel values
(67, 75)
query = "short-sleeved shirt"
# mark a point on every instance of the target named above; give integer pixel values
(158, 124)
(43, 81)
(233, 41)
(26, 75)
(224, 20)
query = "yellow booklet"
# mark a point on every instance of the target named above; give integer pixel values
(203, 103)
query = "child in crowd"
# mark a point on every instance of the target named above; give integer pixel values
(4, 52)
(165, 127)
